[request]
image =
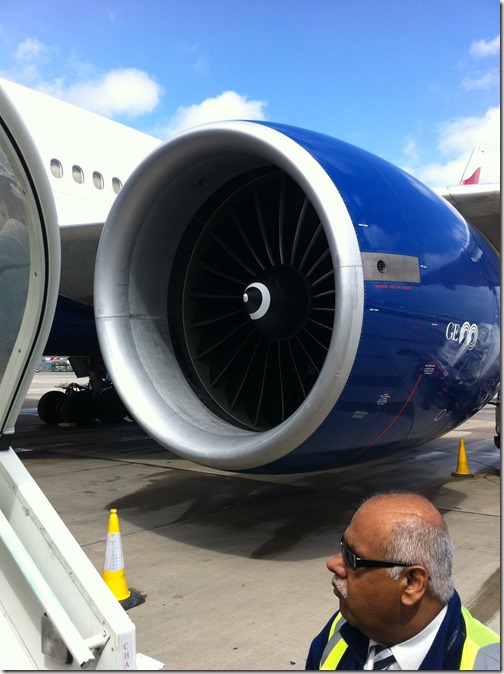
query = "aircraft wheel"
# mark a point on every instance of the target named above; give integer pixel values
(110, 408)
(49, 407)
(79, 408)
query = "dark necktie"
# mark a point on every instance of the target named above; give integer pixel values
(383, 657)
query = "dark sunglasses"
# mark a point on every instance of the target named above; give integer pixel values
(353, 562)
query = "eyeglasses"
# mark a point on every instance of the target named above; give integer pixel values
(353, 562)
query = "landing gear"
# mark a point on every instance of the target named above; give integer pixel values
(49, 407)
(110, 408)
(83, 404)
(79, 405)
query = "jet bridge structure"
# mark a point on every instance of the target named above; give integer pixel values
(56, 612)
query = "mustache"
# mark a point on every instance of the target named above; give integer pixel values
(340, 585)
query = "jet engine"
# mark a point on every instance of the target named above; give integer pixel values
(276, 300)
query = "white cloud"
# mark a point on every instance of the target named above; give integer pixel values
(128, 91)
(228, 105)
(25, 62)
(479, 81)
(484, 48)
(410, 151)
(456, 141)
(459, 133)
(29, 49)
(124, 91)
(487, 81)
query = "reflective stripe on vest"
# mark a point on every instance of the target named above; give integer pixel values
(481, 647)
(336, 645)
(481, 650)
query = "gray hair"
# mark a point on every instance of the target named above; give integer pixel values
(427, 545)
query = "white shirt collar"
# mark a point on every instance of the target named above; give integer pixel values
(411, 653)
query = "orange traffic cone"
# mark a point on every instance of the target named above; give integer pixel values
(462, 467)
(113, 572)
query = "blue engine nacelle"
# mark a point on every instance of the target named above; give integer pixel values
(276, 300)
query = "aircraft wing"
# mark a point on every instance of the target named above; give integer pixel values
(481, 205)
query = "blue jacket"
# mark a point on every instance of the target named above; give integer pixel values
(457, 630)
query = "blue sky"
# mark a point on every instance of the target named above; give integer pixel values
(414, 81)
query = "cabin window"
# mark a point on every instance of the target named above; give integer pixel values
(56, 168)
(98, 180)
(116, 185)
(77, 174)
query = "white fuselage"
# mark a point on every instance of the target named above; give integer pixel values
(87, 157)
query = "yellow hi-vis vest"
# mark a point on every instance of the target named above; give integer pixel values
(481, 650)
(481, 647)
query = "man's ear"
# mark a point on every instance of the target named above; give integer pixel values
(414, 584)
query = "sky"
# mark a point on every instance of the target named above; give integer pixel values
(417, 82)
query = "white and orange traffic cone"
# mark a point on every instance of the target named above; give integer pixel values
(113, 572)
(462, 469)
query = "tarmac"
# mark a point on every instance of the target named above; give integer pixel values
(232, 567)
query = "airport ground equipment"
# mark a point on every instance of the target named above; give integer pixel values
(55, 610)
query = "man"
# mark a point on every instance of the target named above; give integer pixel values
(398, 606)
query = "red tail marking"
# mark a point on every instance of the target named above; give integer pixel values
(474, 179)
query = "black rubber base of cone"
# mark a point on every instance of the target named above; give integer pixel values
(133, 600)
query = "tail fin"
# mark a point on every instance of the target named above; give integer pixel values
(472, 170)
